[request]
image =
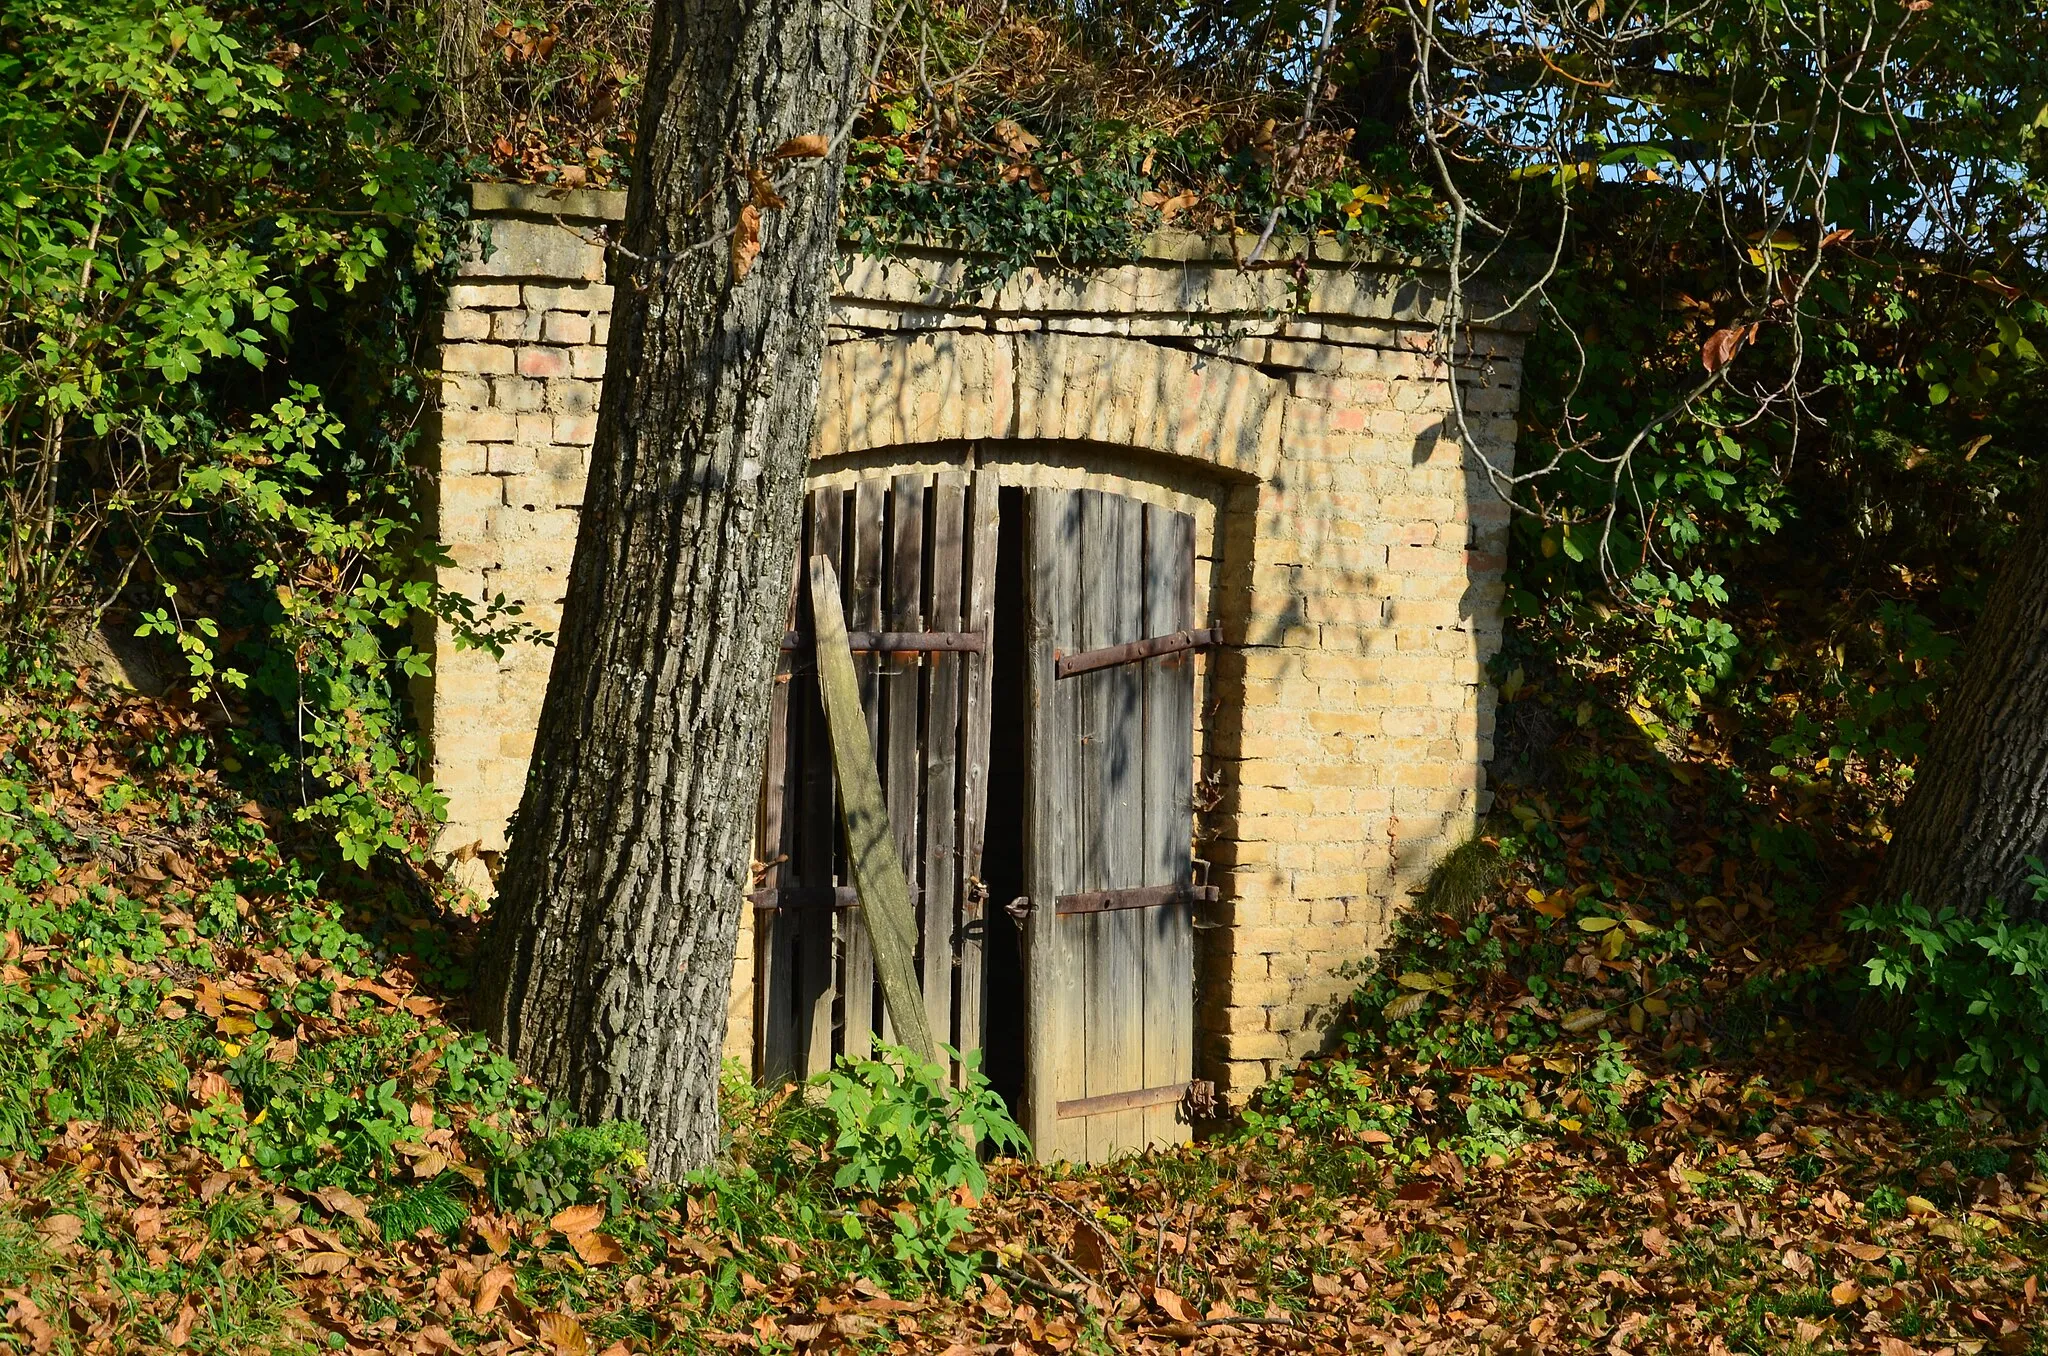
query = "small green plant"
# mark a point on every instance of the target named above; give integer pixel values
(1971, 992)
(562, 1165)
(1332, 1099)
(907, 1137)
(119, 1079)
(428, 1206)
(1886, 1202)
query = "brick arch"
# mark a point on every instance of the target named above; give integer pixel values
(945, 386)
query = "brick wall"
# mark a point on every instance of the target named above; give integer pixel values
(1350, 545)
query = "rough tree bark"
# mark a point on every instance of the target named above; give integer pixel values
(607, 973)
(468, 93)
(1979, 804)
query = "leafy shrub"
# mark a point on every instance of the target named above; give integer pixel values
(187, 183)
(1973, 990)
(907, 1136)
(1327, 1100)
(562, 1165)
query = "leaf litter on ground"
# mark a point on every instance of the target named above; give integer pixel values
(1765, 1198)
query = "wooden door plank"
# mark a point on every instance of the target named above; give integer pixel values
(938, 905)
(863, 593)
(1051, 526)
(885, 908)
(903, 680)
(1081, 800)
(1113, 570)
(973, 908)
(775, 934)
(1168, 936)
(817, 837)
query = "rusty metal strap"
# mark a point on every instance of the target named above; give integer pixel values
(1137, 897)
(1123, 1101)
(1087, 661)
(795, 898)
(897, 642)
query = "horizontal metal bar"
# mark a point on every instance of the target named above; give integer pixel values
(1137, 897)
(794, 897)
(898, 642)
(1087, 661)
(1122, 1101)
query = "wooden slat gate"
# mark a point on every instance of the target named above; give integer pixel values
(1109, 943)
(916, 557)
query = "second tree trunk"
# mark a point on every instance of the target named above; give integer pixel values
(1979, 804)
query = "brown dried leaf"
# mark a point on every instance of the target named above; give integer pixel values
(811, 146)
(490, 1288)
(1090, 1254)
(746, 242)
(62, 1230)
(1014, 138)
(562, 1333)
(764, 195)
(1721, 347)
(336, 1201)
(577, 1219)
(596, 1249)
(1174, 1307)
(180, 1330)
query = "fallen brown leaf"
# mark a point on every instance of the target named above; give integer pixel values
(577, 1219)
(491, 1288)
(596, 1249)
(340, 1202)
(562, 1333)
(62, 1230)
(494, 1234)
(180, 1330)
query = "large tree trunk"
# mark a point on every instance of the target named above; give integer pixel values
(610, 961)
(1979, 804)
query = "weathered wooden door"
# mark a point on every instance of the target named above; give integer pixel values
(916, 557)
(1109, 942)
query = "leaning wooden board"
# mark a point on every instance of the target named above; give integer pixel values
(912, 552)
(871, 847)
